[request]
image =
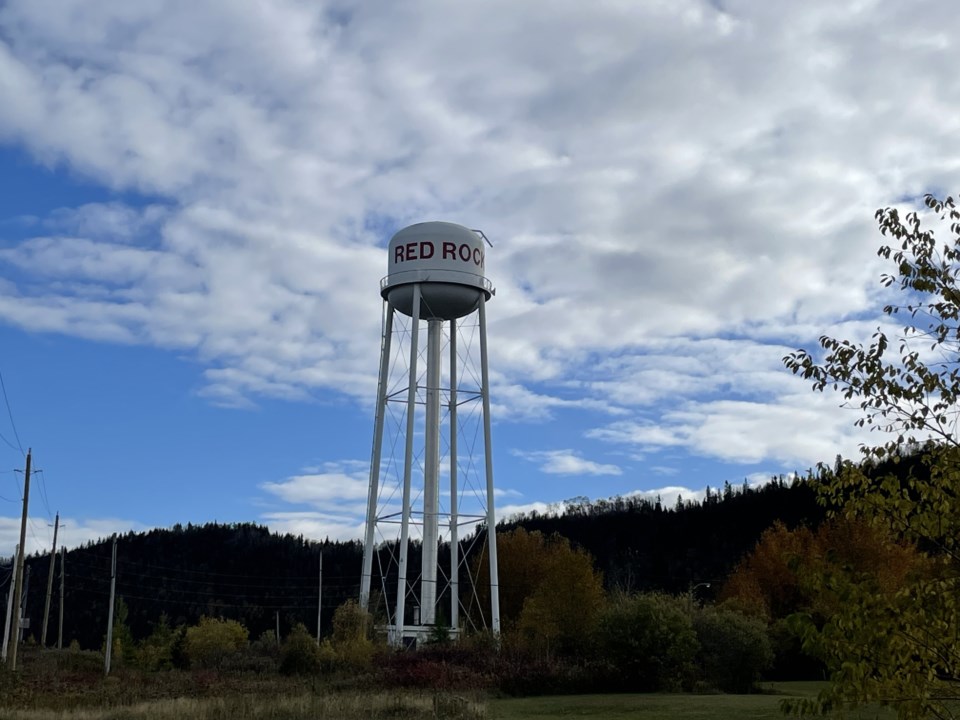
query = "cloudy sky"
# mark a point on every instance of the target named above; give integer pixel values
(196, 197)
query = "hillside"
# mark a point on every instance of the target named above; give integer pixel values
(245, 572)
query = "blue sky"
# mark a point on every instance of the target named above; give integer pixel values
(196, 198)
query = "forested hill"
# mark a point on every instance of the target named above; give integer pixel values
(641, 545)
(238, 571)
(245, 572)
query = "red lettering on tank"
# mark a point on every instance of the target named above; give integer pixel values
(425, 250)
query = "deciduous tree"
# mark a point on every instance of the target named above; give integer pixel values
(900, 648)
(734, 648)
(774, 580)
(649, 642)
(213, 640)
(550, 591)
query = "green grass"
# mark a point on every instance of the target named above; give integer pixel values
(342, 706)
(71, 686)
(411, 704)
(765, 706)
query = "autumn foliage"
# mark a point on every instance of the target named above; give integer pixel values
(550, 592)
(772, 581)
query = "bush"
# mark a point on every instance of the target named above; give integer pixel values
(247, 661)
(790, 662)
(439, 666)
(210, 642)
(329, 662)
(352, 630)
(647, 642)
(523, 676)
(156, 650)
(299, 654)
(266, 645)
(553, 596)
(350, 623)
(734, 648)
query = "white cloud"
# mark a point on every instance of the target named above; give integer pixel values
(314, 525)
(567, 462)
(668, 495)
(676, 193)
(508, 511)
(798, 430)
(340, 482)
(73, 532)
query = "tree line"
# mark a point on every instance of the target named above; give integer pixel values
(244, 572)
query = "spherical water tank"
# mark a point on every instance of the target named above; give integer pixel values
(447, 260)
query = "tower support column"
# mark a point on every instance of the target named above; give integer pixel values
(431, 476)
(488, 456)
(454, 489)
(399, 615)
(375, 457)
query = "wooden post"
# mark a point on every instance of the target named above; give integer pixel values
(113, 592)
(53, 563)
(9, 623)
(18, 588)
(63, 573)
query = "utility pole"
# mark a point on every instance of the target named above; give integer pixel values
(63, 573)
(23, 602)
(319, 597)
(18, 588)
(13, 581)
(113, 591)
(53, 563)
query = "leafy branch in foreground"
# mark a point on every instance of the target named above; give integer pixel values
(898, 648)
(918, 388)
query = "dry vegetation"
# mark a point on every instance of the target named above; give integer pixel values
(71, 686)
(302, 706)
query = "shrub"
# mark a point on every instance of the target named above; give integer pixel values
(790, 662)
(734, 648)
(648, 642)
(299, 654)
(156, 650)
(350, 623)
(266, 645)
(247, 661)
(352, 629)
(439, 635)
(521, 675)
(439, 666)
(124, 649)
(210, 642)
(178, 653)
(553, 595)
(327, 656)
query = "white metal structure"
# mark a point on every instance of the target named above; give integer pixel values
(435, 277)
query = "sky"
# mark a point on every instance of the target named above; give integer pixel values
(196, 200)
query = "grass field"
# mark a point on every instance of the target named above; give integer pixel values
(765, 706)
(305, 706)
(171, 696)
(413, 706)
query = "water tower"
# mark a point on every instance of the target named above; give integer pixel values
(435, 278)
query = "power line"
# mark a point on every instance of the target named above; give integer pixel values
(12, 446)
(10, 415)
(43, 493)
